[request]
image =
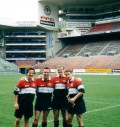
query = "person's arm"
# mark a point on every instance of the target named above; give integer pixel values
(16, 93)
(72, 100)
(16, 105)
(80, 88)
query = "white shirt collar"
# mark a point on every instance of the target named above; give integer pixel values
(27, 79)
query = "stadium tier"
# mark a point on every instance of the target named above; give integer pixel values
(97, 62)
(112, 26)
(7, 67)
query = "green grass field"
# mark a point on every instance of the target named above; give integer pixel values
(102, 99)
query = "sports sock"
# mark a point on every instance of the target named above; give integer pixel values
(44, 123)
(34, 124)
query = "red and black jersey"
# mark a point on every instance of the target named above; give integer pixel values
(25, 89)
(60, 88)
(44, 87)
(74, 86)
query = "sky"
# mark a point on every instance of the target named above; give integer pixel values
(18, 10)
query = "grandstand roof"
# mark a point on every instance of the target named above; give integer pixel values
(65, 3)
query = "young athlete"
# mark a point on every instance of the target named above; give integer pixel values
(60, 100)
(23, 98)
(76, 103)
(43, 101)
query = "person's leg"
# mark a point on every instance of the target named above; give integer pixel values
(63, 112)
(44, 118)
(69, 120)
(37, 116)
(80, 120)
(17, 122)
(56, 118)
(26, 122)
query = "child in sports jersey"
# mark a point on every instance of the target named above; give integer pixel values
(76, 103)
(23, 97)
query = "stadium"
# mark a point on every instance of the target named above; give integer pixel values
(82, 35)
(84, 32)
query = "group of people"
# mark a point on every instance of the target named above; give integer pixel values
(60, 93)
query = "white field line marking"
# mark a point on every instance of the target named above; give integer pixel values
(97, 102)
(113, 106)
(90, 98)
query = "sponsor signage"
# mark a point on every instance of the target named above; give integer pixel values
(44, 20)
(98, 70)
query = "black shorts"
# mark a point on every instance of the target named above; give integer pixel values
(59, 103)
(43, 104)
(25, 109)
(78, 108)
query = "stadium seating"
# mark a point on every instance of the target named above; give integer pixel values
(98, 62)
(5, 66)
(91, 49)
(113, 46)
(25, 64)
(71, 49)
(115, 64)
(106, 27)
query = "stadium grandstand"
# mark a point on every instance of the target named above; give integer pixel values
(7, 67)
(81, 35)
